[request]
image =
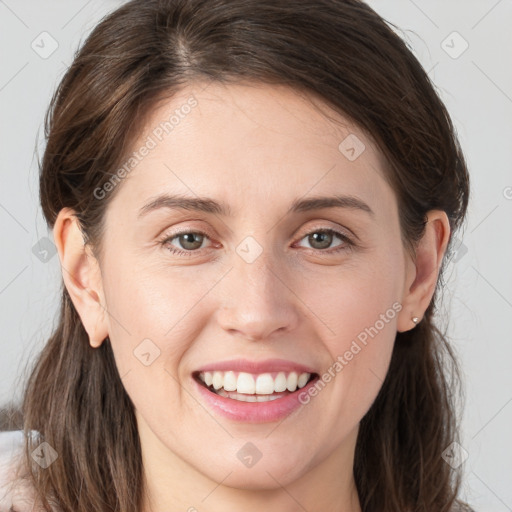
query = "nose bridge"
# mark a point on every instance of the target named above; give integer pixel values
(257, 300)
(257, 277)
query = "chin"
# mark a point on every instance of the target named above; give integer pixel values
(273, 473)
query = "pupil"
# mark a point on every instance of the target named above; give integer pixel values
(321, 236)
(193, 239)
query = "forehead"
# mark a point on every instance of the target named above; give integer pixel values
(251, 145)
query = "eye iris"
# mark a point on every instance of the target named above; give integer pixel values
(194, 240)
(322, 235)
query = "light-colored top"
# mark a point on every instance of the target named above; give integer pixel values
(11, 444)
(18, 495)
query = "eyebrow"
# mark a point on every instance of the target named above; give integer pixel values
(208, 205)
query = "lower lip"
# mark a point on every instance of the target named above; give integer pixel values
(254, 412)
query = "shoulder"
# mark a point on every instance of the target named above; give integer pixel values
(13, 493)
(11, 444)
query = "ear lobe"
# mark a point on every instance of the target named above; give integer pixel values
(422, 274)
(81, 275)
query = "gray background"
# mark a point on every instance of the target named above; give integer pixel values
(476, 85)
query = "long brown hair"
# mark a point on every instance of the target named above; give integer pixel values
(339, 51)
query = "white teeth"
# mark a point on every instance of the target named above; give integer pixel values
(218, 380)
(280, 382)
(302, 380)
(248, 384)
(264, 384)
(245, 384)
(230, 381)
(291, 383)
(248, 398)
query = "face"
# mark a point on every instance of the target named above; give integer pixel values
(246, 296)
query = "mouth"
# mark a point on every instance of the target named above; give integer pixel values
(251, 387)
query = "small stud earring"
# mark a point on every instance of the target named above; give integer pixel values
(415, 319)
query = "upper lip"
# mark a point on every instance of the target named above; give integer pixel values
(257, 367)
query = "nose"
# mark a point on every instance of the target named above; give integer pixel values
(259, 300)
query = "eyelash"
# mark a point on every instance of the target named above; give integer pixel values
(347, 245)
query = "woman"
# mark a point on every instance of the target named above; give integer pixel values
(252, 203)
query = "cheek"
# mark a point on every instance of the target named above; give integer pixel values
(356, 301)
(156, 303)
(359, 309)
(155, 315)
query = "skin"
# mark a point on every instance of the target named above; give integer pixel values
(257, 148)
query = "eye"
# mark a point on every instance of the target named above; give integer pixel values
(321, 239)
(189, 240)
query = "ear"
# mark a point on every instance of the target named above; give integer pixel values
(81, 275)
(422, 273)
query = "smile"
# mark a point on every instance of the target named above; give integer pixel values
(253, 391)
(248, 387)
